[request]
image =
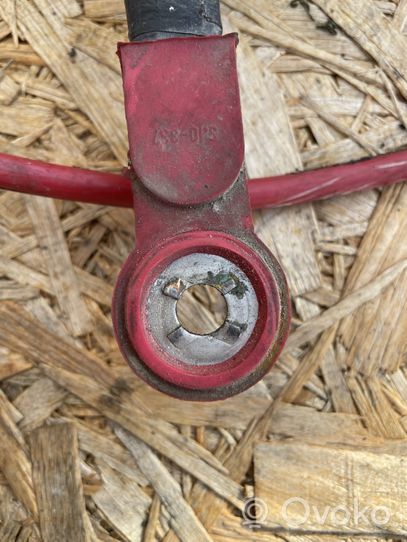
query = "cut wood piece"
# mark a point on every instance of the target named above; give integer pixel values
(41, 310)
(382, 345)
(308, 366)
(91, 39)
(90, 245)
(58, 485)
(389, 136)
(307, 424)
(24, 116)
(328, 322)
(325, 297)
(11, 510)
(344, 491)
(332, 233)
(45, 90)
(400, 15)
(87, 213)
(105, 10)
(12, 364)
(94, 287)
(9, 90)
(23, 54)
(386, 407)
(12, 246)
(10, 290)
(374, 33)
(269, 139)
(26, 272)
(153, 519)
(339, 272)
(346, 306)
(14, 462)
(297, 256)
(399, 381)
(340, 127)
(37, 402)
(210, 507)
(10, 410)
(4, 30)
(379, 414)
(289, 364)
(100, 531)
(336, 384)
(89, 378)
(110, 452)
(400, 111)
(80, 74)
(227, 414)
(271, 149)
(64, 281)
(122, 503)
(306, 310)
(24, 275)
(183, 519)
(67, 146)
(274, 30)
(345, 211)
(63, 8)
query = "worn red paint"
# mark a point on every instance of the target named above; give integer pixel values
(190, 196)
(183, 115)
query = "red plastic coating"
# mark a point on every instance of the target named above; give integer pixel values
(244, 363)
(62, 182)
(325, 183)
(42, 179)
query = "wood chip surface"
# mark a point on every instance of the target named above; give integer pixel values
(88, 453)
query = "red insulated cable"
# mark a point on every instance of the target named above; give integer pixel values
(327, 182)
(40, 178)
(62, 182)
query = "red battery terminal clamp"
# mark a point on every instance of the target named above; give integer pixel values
(193, 224)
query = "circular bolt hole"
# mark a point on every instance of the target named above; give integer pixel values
(202, 309)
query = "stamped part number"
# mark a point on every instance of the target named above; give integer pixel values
(167, 138)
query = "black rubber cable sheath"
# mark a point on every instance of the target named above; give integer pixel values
(159, 19)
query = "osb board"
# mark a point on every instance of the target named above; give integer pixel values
(87, 451)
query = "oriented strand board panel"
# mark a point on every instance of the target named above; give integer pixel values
(384, 344)
(271, 149)
(81, 75)
(315, 93)
(51, 240)
(330, 490)
(373, 32)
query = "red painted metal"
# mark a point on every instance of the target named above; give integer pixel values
(190, 196)
(184, 121)
(75, 184)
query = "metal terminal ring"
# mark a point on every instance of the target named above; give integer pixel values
(242, 309)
